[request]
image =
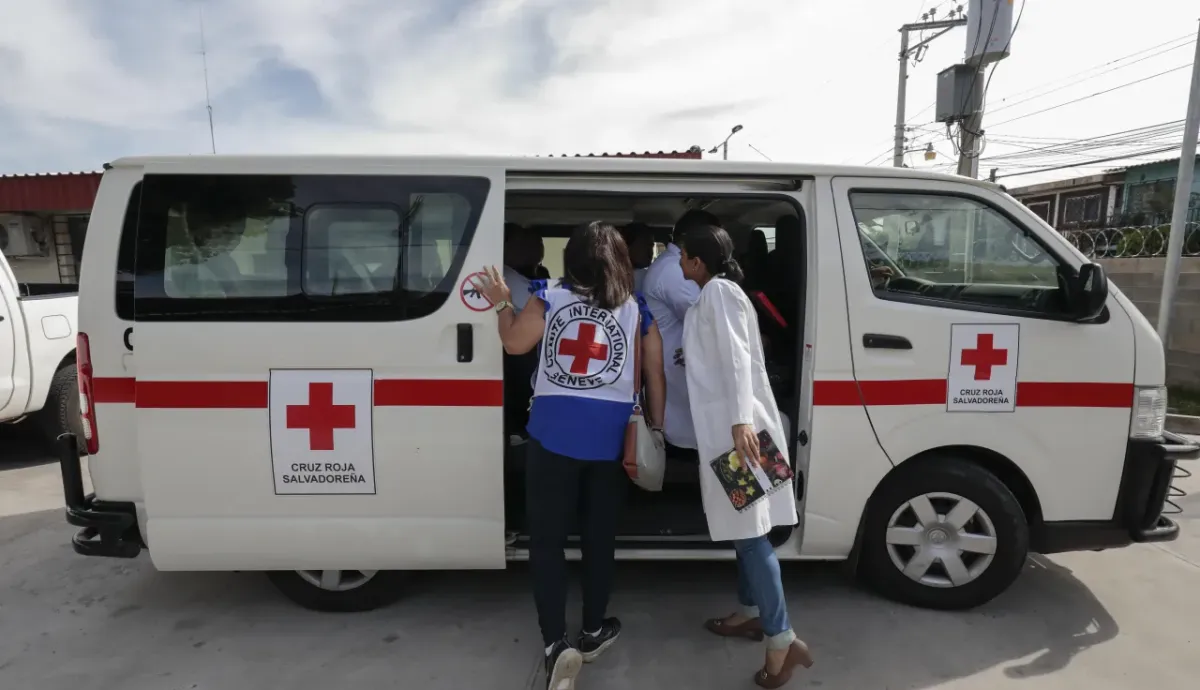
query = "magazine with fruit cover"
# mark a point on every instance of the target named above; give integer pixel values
(746, 484)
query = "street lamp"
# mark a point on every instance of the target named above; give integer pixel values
(724, 145)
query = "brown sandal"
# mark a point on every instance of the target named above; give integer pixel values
(797, 655)
(750, 629)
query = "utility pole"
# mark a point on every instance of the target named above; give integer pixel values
(902, 86)
(1183, 195)
(971, 128)
(985, 45)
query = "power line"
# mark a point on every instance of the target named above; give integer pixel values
(1090, 163)
(1137, 136)
(1045, 93)
(1190, 38)
(1093, 95)
(1072, 77)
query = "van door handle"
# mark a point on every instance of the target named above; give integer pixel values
(466, 342)
(886, 342)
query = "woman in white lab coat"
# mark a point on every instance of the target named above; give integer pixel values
(731, 402)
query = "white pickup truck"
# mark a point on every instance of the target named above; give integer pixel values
(37, 354)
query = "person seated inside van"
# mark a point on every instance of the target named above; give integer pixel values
(783, 284)
(523, 254)
(640, 240)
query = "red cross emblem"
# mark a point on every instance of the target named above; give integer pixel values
(320, 416)
(984, 356)
(583, 349)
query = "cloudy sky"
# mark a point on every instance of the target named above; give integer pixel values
(85, 81)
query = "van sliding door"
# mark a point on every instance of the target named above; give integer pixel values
(303, 397)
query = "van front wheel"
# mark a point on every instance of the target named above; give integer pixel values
(944, 534)
(339, 590)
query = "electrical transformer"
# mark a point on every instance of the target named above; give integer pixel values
(954, 86)
(989, 31)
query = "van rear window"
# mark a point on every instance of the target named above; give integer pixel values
(299, 247)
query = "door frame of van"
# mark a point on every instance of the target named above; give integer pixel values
(796, 190)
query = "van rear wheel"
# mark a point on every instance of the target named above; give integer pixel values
(943, 534)
(339, 590)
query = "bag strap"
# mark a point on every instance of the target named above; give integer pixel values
(637, 365)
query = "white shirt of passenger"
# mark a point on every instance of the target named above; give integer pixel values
(639, 279)
(669, 295)
(519, 285)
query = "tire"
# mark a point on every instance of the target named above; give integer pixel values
(943, 482)
(377, 590)
(61, 413)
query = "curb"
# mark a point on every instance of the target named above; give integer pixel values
(1183, 424)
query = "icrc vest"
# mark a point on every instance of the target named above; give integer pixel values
(587, 351)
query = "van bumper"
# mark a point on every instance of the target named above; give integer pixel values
(1144, 502)
(108, 528)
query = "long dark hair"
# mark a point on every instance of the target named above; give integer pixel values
(597, 267)
(714, 247)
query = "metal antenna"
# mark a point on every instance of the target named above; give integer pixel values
(212, 137)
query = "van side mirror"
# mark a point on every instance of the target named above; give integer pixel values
(1088, 292)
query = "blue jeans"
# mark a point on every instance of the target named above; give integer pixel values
(760, 590)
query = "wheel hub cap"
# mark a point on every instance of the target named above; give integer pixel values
(941, 539)
(337, 580)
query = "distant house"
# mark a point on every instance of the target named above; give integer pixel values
(1081, 202)
(42, 222)
(1149, 192)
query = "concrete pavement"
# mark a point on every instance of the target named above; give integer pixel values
(1097, 620)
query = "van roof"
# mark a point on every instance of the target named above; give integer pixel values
(233, 163)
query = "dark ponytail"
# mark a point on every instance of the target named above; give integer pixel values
(713, 246)
(733, 270)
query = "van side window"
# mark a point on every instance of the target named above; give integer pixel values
(955, 251)
(301, 247)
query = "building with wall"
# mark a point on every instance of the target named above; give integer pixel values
(1080, 202)
(43, 219)
(1149, 192)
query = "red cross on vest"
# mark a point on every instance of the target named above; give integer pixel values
(320, 416)
(583, 349)
(984, 356)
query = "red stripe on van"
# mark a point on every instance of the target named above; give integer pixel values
(836, 393)
(1038, 394)
(113, 390)
(439, 393)
(490, 393)
(933, 392)
(202, 395)
(254, 394)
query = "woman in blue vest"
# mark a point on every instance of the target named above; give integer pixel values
(587, 326)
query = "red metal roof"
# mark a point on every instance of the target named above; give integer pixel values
(691, 154)
(73, 191)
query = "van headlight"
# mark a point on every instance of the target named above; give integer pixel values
(1149, 413)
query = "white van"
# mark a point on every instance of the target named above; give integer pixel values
(283, 368)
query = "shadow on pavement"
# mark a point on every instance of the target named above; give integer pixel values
(21, 446)
(80, 623)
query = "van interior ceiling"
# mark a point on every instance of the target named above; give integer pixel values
(768, 236)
